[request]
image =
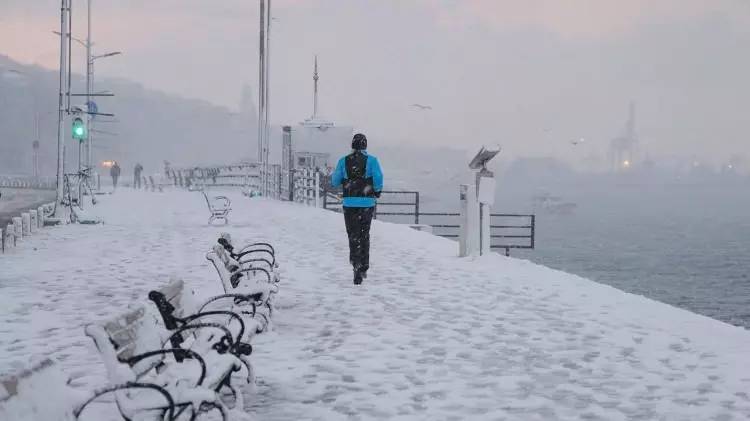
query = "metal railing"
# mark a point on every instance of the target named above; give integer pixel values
(513, 236)
(388, 198)
(244, 175)
(307, 187)
(28, 182)
(506, 231)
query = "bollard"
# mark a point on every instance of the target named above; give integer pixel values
(40, 216)
(25, 224)
(34, 223)
(9, 238)
(17, 227)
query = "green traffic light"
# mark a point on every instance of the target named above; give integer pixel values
(79, 130)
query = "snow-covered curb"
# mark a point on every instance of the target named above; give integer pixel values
(24, 225)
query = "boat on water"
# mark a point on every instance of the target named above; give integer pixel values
(547, 203)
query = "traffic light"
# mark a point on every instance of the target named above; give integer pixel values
(79, 129)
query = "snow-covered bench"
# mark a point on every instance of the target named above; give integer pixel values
(40, 392)
(230, 320)
(252, 255)
(238, 280)
(132, 349)
(219, 206)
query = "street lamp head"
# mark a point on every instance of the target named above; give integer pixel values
(71, 37)
(114, 53)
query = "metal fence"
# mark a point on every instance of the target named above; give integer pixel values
(312, 187)
(398, 203)
(244, 175)
(507, 231)
(28, 182)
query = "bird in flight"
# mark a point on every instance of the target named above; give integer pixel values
(421, 107)
(578, 141)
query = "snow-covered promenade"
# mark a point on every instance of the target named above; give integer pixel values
(428, 336)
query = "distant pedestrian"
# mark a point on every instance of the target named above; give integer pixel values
(362, 180)
(137, 175)
(115, 173)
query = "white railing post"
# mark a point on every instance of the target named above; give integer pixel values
(310, 186)
(317, 189)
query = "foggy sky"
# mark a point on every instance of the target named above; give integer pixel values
(529, 75)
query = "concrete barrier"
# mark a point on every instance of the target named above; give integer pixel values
(26, 224)
(8, 237)
(33, 224)
(40, 216)
(17, 227)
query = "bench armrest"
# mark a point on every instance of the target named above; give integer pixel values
(218, 346)
(227, 203)
(244, 253)
(247, 246)
(257, 259)
(238, 298)
(179, 354)
(237, 274)
(231, 314)
(169, 406)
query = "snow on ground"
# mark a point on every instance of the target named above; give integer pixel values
(427, 336)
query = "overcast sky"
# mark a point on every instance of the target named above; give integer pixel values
(529, 74)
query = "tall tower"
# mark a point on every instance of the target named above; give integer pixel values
(318, 140)
(315, 89)
(622, 148)
(315, 121)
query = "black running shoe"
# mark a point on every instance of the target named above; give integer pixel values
(357, 277)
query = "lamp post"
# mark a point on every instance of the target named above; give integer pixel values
(89, 89)
(89, 82)
(263, 108)
(61, 108)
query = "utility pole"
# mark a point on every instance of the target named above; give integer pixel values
(261, 89)
(315, 92)
(263, 85)
(266, 85)
(62, 110)
(89, 82)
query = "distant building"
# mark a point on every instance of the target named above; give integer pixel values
(318, 142)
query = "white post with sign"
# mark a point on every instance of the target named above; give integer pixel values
(469, 231)
(486, 198)
(476, 206)
(463, 194)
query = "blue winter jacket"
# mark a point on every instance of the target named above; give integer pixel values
(373, 170)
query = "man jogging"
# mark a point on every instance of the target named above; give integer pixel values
(362, 181)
